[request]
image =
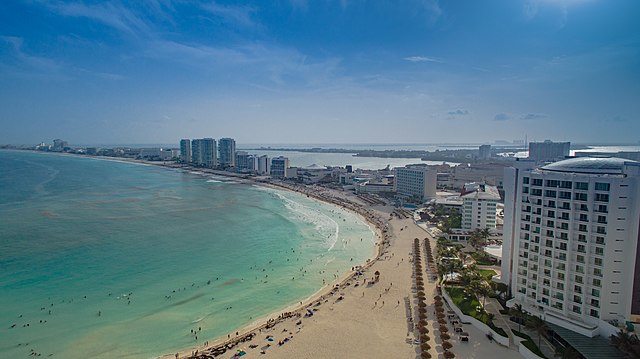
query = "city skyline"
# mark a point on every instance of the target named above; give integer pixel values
(319, 72)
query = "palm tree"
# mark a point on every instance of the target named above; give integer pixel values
(628, 343)
(517, 312)
(537, 324)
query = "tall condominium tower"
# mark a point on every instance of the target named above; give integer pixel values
(264, 165)
(570, 249)
(185, 151)
(227, 150)
(203, 152)
(279, 167)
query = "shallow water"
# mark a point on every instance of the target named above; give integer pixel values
(130, 258)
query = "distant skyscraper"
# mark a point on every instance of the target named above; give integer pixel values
(548, 151)
(203, 152)
(264, 165)
(185, 151)
(570, 248)
(279, 167)
(227, 150)
(484, 152)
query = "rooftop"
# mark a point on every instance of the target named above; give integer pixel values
(595, 165)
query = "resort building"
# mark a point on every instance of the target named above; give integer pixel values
(415, 181)
(279, 167)
(185, 150)
(59, 145)
(570, 244)
(227, 151)
(548, 151)
(245, 162)
(203, 152)
(264, 165)
(479, 202)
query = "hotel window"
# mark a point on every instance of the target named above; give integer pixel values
(581, 248)
(594, 313)
(579, 269)
(565, 184)
(583, 217)
(550, 193)
(582, 186)
(525, 189)
(564, 195)
(602, 197)
(595, 292)
(582, 238)
(564, 216)
(595, 303)
(602, 219)
(580, 196)
(551, 183)
(602, 186)
(599, 251)
(537, 182)
(602, 208)
(578, 279)
(580, 259)
(597, 282)
(600, 230)
(597, 261)
(566, 205)
(576, 309)
(599, 240)
(582, 228)
(597, 272)
(550, 223)
(525, 180)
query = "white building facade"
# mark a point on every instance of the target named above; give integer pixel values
(185, 150)
(279, 167)
(203, 152)
(479, 207)
(570, 245)
(416, 181)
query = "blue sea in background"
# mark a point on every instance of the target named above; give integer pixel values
(109, 259)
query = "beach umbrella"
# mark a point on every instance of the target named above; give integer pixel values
(446, 345)
(442, 321)
(424, 338)
(449, 355)
(425, 346)
(445, 336)
(443, 329)
(423, 323)
(425, 355)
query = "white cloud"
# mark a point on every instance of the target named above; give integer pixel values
(240, 15)
(423, 59)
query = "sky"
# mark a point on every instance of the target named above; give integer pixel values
(324, 71)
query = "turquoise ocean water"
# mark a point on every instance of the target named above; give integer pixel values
(107, 259)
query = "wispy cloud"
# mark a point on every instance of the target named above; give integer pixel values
(423, 59)
(533, 116)
(501, 117)
(26, 61)
(458, 112)
(240, 15)
(110, 14)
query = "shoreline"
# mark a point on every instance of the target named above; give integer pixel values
(375, 223)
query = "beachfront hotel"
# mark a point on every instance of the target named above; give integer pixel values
(203, 152)
(227, 151)
(570, 249)
(415, 181)
(479, 203)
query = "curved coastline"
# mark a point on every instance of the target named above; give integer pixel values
(375, 223)
(295, 310)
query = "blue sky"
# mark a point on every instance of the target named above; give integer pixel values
(333, 71)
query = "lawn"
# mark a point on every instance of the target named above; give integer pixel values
(468, 304)
(487, 273)
(529, 343)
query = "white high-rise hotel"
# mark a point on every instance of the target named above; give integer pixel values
(571, 233)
